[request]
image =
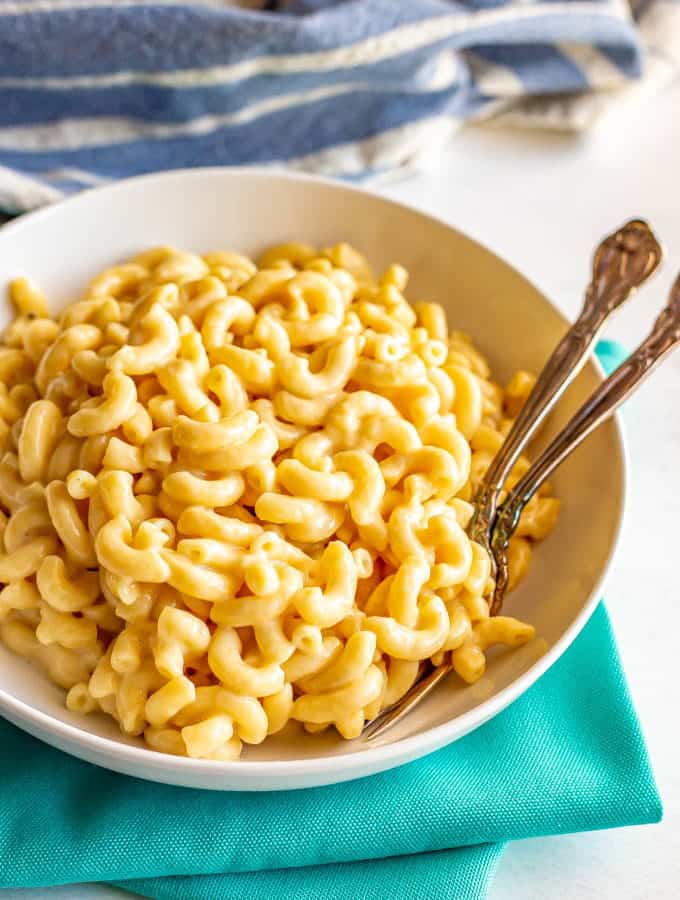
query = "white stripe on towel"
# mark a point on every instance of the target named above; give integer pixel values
(74, 134)
(404, 145)
(19, 192)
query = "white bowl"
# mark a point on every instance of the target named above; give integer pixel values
(511, 322)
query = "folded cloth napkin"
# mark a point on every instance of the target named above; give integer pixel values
(567, 756)
(93, 90)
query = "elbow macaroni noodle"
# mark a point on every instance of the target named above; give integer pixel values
(236, 496)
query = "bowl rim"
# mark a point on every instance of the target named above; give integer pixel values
(384, 756)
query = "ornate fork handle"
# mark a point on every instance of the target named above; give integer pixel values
(664, 336)
(622, 262)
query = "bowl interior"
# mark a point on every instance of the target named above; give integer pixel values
(510, 321)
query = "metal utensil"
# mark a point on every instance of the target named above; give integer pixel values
(603, 402)
(622, 262)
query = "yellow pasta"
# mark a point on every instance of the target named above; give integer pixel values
(234, 496)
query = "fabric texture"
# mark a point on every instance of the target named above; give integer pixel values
(566, 756)
(94, 90)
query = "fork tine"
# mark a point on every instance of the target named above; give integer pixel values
(499, 547)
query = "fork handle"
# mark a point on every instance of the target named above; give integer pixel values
(622, 262)
(610, 394)
(395, 713)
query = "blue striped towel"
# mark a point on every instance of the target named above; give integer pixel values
(93, 90)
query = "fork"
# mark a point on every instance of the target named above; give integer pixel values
(602, 403)
(622, 262)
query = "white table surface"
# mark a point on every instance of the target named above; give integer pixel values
(543, 201)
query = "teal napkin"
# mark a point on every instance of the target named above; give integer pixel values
(567, 756)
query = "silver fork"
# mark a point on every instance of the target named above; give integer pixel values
(622, 262)
(602, 403)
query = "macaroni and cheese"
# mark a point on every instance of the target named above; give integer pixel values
(235, 495)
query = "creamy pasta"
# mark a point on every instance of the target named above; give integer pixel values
(235, 495)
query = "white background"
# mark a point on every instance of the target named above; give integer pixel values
(543, 201)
